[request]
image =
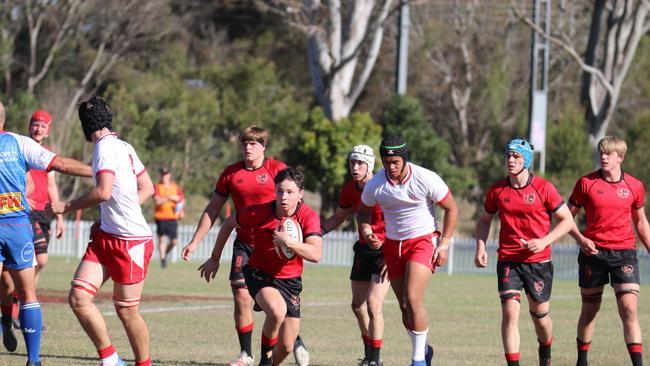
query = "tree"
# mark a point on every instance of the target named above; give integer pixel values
(322, 148)
(344, 39)
(608, 56)
(467, 80)
(404, 116)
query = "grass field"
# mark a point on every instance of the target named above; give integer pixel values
(191, 322)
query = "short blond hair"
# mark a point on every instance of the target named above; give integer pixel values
(254, 133)
(610, 144)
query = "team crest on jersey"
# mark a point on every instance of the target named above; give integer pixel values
(539, 286)
(262, 178)
(529, 198)
(623, 192)
(628, 270)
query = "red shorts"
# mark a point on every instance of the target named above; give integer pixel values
(398, 252)
(125, 260)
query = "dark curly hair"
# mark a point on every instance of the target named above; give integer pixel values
(293, 174)
(394, 146)
(94, 115)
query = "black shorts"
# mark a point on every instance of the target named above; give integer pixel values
(41, 226)
(535, 278)
(367, 262)
(289, 288)
(608, 266)
(241, 253)
(168, 228)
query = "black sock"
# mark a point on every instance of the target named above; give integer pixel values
(245, 341)
(374, 354)
(583, 349)
(636, 353)
(513, 363)
(544, 352)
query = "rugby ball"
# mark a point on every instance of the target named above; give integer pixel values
(293, 230)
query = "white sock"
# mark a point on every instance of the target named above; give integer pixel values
(110, 360)
(419, 342)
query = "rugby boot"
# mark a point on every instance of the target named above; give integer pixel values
(300, 354)
(8, 337)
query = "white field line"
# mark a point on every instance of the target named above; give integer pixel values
(171, 309)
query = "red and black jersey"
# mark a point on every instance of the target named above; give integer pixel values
(248, 187)
(608, 208)
(525, 213)
(350, 199)
(261, 221)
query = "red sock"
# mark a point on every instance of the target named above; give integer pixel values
(105, 352)
(146, 362)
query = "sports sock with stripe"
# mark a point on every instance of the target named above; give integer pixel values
(30, 324)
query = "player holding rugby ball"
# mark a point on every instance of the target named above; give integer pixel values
(273, 277)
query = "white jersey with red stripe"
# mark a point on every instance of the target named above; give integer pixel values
(121, 214)
(408, 207)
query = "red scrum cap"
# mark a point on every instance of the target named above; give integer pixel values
(41, 115)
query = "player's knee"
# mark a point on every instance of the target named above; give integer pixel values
(81, 293)
(595, 299)
(375, 309)
(507, 296)
(539, 314)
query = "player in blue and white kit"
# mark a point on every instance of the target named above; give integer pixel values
(17, 154)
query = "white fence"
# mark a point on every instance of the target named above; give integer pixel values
(337, 251)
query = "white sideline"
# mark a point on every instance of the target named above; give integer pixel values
(168, 309)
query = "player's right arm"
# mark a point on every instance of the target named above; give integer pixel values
(586, 245)
(206, 222)
(210, 267)
(363, 219)
(100, 193)
(481, 236)
(339, 216)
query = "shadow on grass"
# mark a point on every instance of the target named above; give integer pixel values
(19, 358)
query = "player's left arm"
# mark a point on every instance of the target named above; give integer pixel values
(564, 224)
(145, 187)
(70, 167)
(642, 226)
(100, 193)
(53, 195)
(449, 219)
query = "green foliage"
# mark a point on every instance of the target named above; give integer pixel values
(569, 154)
(638, 145)
(19, 112)
(323, 146)
(190, 119)
(404, 116)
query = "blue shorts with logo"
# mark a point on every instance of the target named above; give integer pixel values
(16, 243)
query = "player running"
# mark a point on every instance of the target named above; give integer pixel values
(274, 283)
(368, 277)
(122, 245)
(249, 182)
(407, 194)
(525, 204)
(17, 154)
(613, 201)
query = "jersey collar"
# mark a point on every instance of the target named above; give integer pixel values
(408, 176)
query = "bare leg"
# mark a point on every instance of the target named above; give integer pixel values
(136, 329)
